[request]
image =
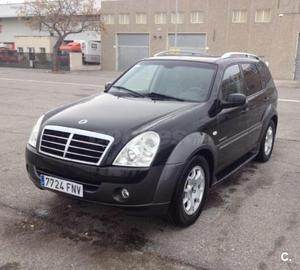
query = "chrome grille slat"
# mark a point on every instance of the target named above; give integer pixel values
(54, 136)
(86, 151)
(55, 149)
(76, 154)
(97, 144)
(54, 142)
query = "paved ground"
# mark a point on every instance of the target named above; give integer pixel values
(249, 220)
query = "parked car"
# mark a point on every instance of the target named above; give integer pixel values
(160, 136)
(71, 47)
(8, 56)
(90, 50)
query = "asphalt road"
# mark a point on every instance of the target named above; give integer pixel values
(249, 221)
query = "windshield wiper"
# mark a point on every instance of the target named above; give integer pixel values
(134, 93)
(163, 97)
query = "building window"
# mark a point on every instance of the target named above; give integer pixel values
(20, 50)
(239, 16)
(177, 18)
(43, 50)
(263, 16)
(123, 18)
(140, 18)
(108, 19)
(197, 17)
(160, 18)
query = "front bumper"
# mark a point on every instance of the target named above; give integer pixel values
(149, 187)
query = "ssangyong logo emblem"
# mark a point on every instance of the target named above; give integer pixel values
(82, 122)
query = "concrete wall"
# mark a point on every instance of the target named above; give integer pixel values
(275, 41)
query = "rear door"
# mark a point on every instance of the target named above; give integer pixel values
(232, 123)
(256, 100)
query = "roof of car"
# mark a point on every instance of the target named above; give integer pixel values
(214, 60)
(228, 58)
(186, 58)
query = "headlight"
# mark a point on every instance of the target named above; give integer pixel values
(35, 132)
(140, 151)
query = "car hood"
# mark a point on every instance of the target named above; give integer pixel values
(111, 115)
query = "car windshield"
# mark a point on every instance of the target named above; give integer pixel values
(168, 80)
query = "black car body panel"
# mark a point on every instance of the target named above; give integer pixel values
(223, 136)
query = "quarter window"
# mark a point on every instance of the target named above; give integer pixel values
(177, 18)
(265, 74)
(108, 19)
(239, 16)
(252, 79)
(141, 18)
(160, 18)
(197, 17)
(123, 18)
(232, 82)
(263, 16)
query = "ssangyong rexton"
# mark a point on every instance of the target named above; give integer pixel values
(160, 135)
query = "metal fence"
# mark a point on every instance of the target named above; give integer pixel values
(33, 60)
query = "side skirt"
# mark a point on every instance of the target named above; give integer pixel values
(234, 167)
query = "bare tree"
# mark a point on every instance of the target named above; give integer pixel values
(61, 18)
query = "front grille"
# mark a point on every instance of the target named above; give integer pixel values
(74, 144)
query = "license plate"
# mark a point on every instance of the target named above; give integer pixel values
(61, 185)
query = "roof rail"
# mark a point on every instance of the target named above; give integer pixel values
(239, 54)
(181, 52)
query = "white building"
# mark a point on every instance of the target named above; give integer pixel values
(15, 34)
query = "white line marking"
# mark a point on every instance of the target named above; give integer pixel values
(52, 82)
(289, 100)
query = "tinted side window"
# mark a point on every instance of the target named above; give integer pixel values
(265, 73)
(252, 79)
(232, 81)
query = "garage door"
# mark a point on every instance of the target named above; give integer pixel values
(131, 48)
(188, 41)
(297, 67)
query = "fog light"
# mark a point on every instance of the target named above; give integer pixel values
(125, 193)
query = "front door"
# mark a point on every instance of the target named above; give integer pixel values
(232, 122)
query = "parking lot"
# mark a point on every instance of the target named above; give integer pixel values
(249, 221)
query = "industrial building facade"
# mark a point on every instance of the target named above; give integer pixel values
(135, 29)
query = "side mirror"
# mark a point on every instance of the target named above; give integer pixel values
(234, 100)
(107, 86)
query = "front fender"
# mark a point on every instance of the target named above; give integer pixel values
(190, 145)
(185, 149)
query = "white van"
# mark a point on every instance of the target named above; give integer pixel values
(91, 51)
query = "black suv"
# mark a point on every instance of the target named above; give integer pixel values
(160, 135)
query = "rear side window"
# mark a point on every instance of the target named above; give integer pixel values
(232, 82)
(265, 74)
(252, 79)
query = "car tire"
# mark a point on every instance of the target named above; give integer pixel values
(267, 143)
(191, 192)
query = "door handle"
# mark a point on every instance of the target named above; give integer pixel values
(266, 99)
(245, 109)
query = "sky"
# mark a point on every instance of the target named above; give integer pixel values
(18, 1)
(10, 1)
